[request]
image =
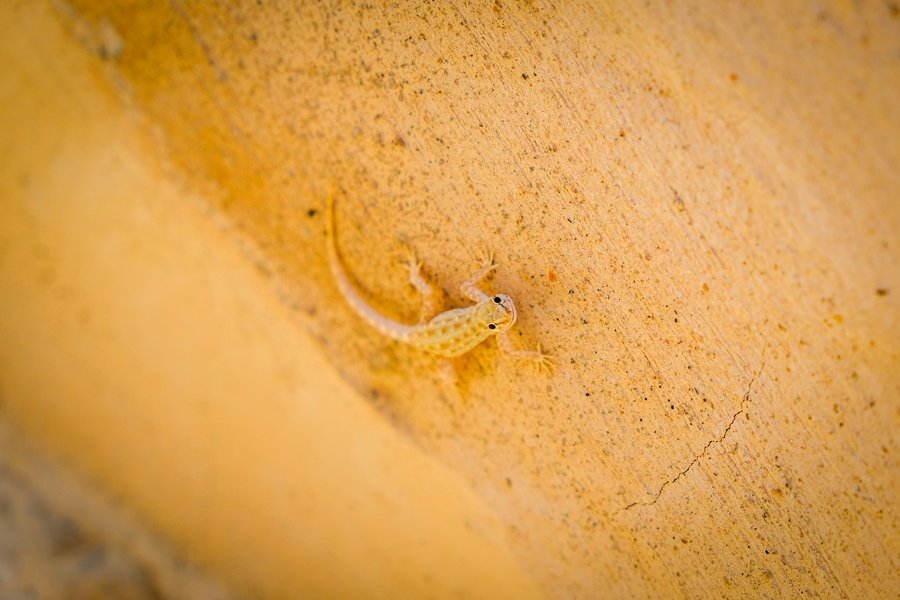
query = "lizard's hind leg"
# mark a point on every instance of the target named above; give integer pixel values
(429, 303)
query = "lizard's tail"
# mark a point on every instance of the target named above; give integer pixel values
(388, 327)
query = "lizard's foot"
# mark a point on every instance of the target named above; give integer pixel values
(486, 260)
(411, 262)
(544, 361)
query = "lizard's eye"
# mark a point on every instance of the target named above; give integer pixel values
(491, 326)
(497, 300)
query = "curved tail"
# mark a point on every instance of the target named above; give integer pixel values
(388, 327)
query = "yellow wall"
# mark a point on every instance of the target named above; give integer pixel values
(143, 346)
(695, 208)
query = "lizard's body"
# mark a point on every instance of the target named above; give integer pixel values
(450, 333)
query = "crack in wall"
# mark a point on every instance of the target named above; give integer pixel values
(706, 448)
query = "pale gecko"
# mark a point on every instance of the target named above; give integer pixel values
(450, 333)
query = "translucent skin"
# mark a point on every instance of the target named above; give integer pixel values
(450, 333)
(455, 332)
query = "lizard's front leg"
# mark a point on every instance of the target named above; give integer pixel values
(470, 288)
(544, 361)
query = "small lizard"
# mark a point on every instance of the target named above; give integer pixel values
(450, 333)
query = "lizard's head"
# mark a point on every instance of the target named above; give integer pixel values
(497, 313)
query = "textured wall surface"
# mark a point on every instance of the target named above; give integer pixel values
(695, 207)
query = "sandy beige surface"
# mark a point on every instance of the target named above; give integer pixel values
(695, 208)
(63, 538)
